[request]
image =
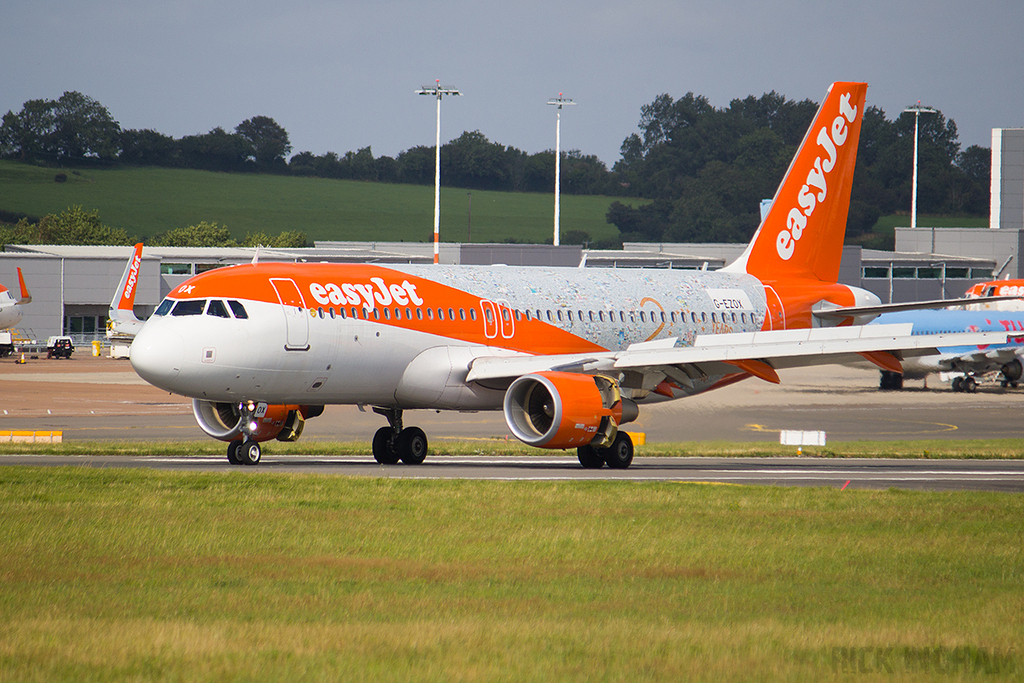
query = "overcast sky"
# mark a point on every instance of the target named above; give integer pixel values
(339, 76)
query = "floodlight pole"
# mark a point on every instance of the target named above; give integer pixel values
(438, 92)
(918, 110)
(559, 102)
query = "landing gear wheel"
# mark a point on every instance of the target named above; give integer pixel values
(383, 448)
(890, 381)
(590, 458)
(411, 445)
(969, 386)
(249, 452)
(233, 456)
(619, 455)
(958, 384)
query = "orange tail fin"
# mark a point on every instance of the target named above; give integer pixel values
(124, 298)
(26, 297)
(802, 235)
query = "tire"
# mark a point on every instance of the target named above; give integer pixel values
(412, 445)
(619, 455)
(249, 452)
(958, 383)
(589, 458)
(383, 451)
(233, 456)
(969, 385)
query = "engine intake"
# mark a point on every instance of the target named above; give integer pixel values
(566, 410)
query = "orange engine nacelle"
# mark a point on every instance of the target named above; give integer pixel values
(566, 410)
(224, 421)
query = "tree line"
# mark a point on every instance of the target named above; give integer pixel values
(76, 129)
(705, 169)
(76, 225)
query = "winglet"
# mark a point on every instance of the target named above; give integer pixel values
(26, 298)
(802, 235)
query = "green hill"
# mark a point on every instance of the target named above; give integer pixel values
(147, 201)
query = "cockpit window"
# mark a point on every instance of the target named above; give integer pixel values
(218, 309)
(164, 308)
(238, 309)
(190, 307)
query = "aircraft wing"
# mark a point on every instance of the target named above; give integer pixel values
(758, 353)
(840, 312)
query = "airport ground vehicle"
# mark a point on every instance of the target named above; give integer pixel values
(59, 347)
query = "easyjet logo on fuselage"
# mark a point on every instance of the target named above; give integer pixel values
(816, 188)
(367, 294)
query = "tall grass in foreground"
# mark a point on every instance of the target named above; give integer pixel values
(112, 574)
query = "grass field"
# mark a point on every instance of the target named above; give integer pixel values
(147, 201)
(116, 574)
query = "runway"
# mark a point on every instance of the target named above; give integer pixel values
(932, 475)
(98, 399)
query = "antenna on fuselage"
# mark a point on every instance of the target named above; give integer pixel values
(256, 256)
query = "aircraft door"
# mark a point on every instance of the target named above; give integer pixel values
(296, 322)
(490, 318)
(776, 316)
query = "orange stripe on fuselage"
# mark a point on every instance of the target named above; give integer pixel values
(338, 285)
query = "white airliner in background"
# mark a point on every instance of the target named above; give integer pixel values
(568, 354)
(10, 308)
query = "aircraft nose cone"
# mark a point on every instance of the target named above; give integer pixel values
(156, 356)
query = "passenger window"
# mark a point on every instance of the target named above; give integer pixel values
(238, 309)
(419, 313)
(430, 314)
(451, 314)
(191, 307)
(440, 314)
(462, 314)
(218, 309)
(472, 314)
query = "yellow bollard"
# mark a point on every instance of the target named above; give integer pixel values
(96, 348)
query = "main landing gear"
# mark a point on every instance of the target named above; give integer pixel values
(394, 443)
(618, 456)
(965, 384)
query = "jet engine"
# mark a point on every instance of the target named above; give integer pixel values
(566, 410)
(1013, 370)
(225, 421)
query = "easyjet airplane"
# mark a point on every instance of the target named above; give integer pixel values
(568, 354)
(10, 308)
